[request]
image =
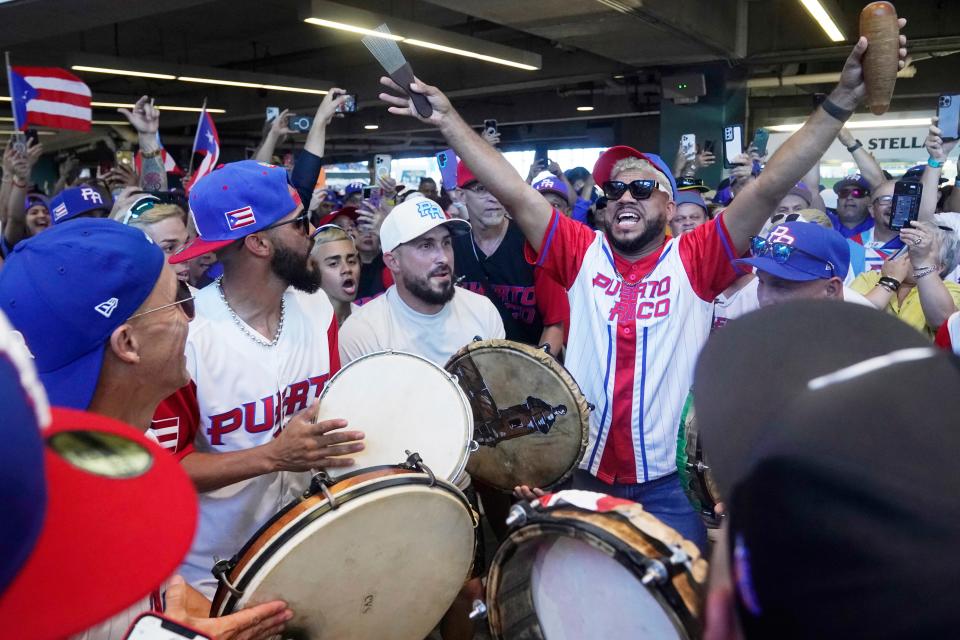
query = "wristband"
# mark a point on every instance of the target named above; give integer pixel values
(923, 272)
(835, 111)
(146, 155)
(856, 145)
(936, 164)
(890, 284)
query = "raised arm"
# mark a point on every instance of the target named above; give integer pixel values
(15, 226)
(939, 151)
(145, 118)
(528, 208)
(306, 168)
(277, 133)
(752, 207)
(866, 163)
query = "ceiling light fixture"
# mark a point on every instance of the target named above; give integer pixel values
(124, 72)
(371, 127)
(823, 18)
(584, 107)
(129, 105)
(861, 124)
(421, 43)
(250, 85)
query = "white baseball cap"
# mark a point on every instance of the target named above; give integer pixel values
(413, 218)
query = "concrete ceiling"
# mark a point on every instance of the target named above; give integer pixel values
(616, 50)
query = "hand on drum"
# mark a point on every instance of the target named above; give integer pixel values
(304, 444)
(526, 493)
(187, 605)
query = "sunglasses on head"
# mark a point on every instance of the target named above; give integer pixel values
(184, 298)
(639, 189)
(781, 252)
(853, 192)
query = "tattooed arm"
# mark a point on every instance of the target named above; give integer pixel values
(145, 118)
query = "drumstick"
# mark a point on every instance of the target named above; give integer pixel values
(878, 23)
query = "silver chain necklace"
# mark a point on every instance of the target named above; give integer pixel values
(256, 337)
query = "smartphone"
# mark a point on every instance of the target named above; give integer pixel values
(84, 173)
(760, 139)
(381, 165)
(688, 145)
(447, 161)
(948, 110)
(732, 144)
(125, 158)
(151, 626)
(300, 123)
(906, 204)
(272, 113)
(708, 145)
(349, 105)
(490, 126)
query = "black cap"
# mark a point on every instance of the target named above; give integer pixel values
(832, 432)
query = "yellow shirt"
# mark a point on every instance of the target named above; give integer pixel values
(910, 310)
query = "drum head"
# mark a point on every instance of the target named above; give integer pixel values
(530, 418)
(696, 478)
(401, 402)
(581, 592)
(386, 564)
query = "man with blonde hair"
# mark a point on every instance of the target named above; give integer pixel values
(338, 262)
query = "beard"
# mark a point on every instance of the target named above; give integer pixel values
(420, 287)
(296, 269)
(654, 231)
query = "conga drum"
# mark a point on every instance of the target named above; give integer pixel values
(381, 554)
(583, 565)
(530, 418)
(403, 403)
(695, 474)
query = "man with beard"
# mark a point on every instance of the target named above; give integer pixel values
(640, 304)
(423, 312)
(259, 352)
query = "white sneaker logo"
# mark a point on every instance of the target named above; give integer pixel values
(106, 307)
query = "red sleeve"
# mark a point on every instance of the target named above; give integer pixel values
(564, 245)
(176, 421)
(707, 254)
(942, 339)
(333, 344)
(387, 278)
(552, 302)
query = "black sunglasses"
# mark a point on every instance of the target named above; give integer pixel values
(302, 221)
(639, 189)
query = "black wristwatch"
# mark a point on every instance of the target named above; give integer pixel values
(890, 284)
(856, 145)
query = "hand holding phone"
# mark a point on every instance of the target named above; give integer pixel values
(905, 207)
(688, 146)
(349, 105)
(948, 114)
(732, 144)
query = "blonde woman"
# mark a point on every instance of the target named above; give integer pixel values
(165, 224)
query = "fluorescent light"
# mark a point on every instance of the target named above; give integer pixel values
(862, 124)
(419, 43)
(111, 122)
(468, 54)
(130, 105)
(352, 29)
(815, 9)
(585, 107)
(371, 127)
(277, 87)
(250, 85)
(124, 72)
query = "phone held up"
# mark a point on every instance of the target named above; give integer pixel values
(490, 126)
(948, 112)
(906, 204)
(760, 140)
(688, 145)
(151, 626)
(732, 144)
(349, 105)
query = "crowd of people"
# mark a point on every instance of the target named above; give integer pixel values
(199, 326)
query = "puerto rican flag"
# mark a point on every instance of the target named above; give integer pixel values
(49, 97)
(207, 144)
(239, 218)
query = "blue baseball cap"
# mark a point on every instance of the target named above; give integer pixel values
(234, 201)
(856, 181)
(67, 289)
(352, 188)
(63, 473)
(691, 196)
(820, 253)
(552, 184)
(604, 166)
(76, 201)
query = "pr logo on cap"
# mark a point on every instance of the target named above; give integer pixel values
(239, 218)
(781, 235)
(430, 209)
(107, 307)
(91, 194)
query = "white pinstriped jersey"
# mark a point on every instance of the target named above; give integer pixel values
(636, 330)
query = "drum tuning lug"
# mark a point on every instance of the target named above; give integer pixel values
(545, 347)
(477, 339)
(474, 446)
(517, 516)
(655, 573)
(679, 557)
(479, 611)
(220, 570)
(591, 406)
(415, 463)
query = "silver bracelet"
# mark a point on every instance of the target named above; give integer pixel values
(923, 272)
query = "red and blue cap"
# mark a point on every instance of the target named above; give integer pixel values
(820, 253)
(604, 166)
(67, 289)
(79, 493)
(76, 201)
(234, 201)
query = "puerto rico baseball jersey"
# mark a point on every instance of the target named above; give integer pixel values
(243, 395)
(635, 332)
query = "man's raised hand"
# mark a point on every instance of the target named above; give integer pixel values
(403, 105)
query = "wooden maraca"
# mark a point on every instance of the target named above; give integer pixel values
(881, 62)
